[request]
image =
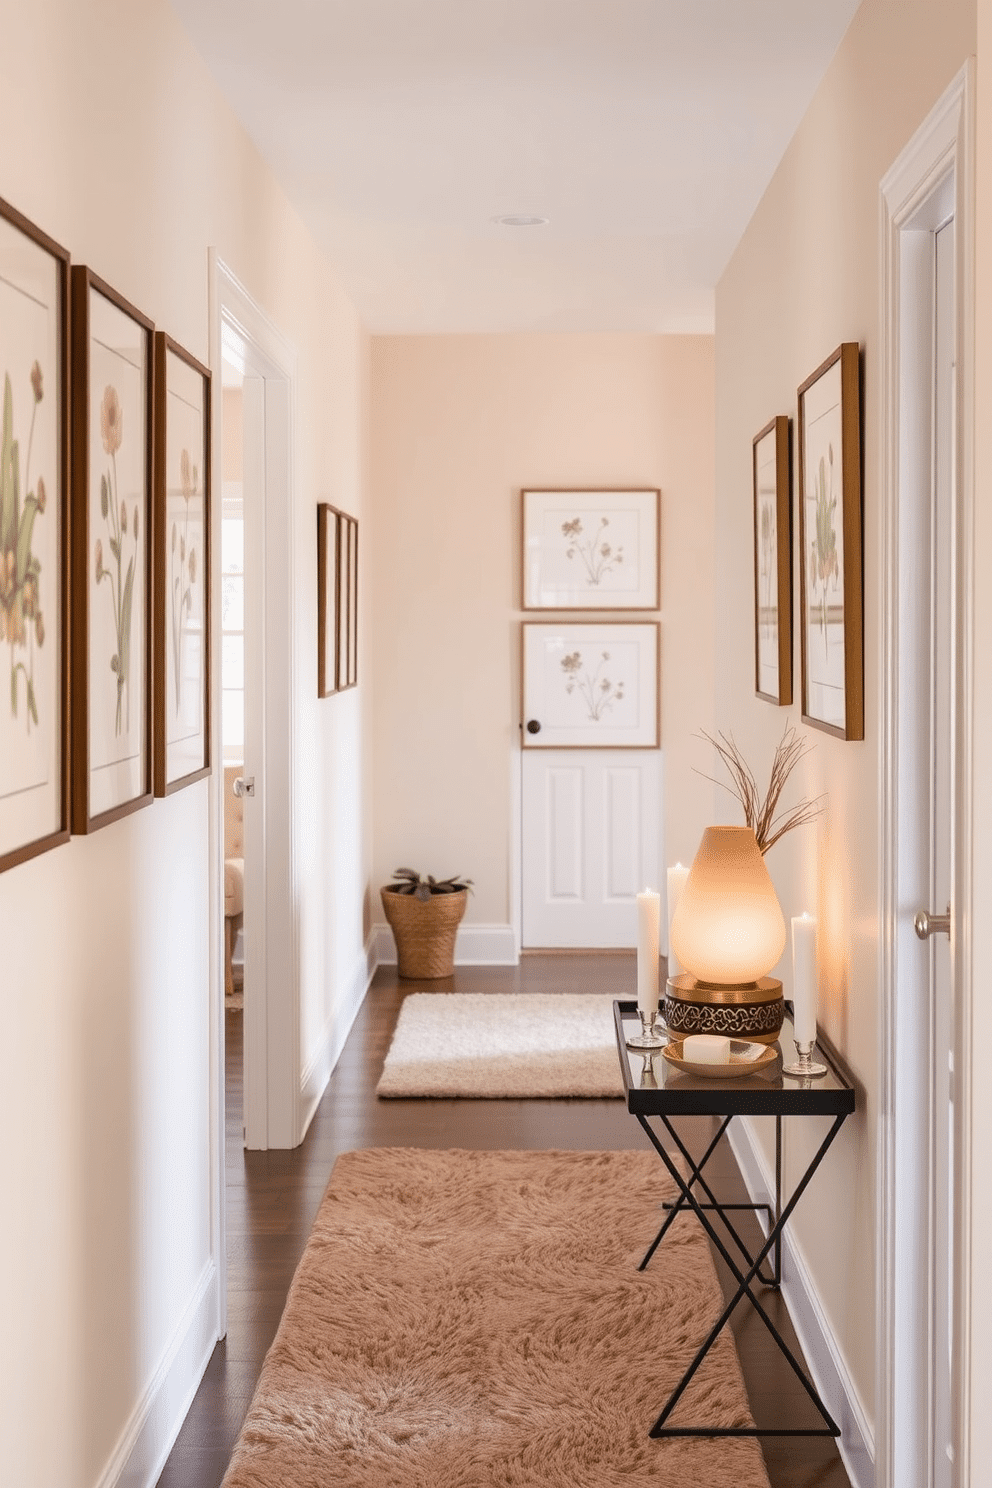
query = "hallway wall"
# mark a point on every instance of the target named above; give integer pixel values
(117, 143)
(803, 279)
(459, 425)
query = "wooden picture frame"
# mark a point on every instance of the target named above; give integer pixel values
(591, 549)
(352, 525)
(771, 474)
(831, 577)
(341, 612)
(590, 686)
(337, 600)
(113, 414)
(182, 580)
(34, 541)
(328, 519)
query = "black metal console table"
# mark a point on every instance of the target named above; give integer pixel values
(659, 1090)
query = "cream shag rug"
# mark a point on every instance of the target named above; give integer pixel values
(507, 1044)
(477, 1320)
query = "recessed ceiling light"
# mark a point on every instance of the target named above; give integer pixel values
(520, 219)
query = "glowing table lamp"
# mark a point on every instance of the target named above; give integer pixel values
(728, 932)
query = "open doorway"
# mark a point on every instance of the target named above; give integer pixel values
(253, 364)
(232, 680)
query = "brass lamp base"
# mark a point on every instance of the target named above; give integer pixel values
(754, 1011)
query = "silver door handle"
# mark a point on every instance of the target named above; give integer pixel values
(244, 785)
(927, 924)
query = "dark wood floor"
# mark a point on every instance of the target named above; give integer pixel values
(272, 1198)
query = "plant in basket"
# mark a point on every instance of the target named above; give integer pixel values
(424, 915)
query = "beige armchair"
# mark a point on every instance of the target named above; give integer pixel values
(234, 871)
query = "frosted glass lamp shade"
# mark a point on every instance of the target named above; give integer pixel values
(728, 928)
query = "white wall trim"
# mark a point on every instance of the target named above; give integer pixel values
(339, 1023)
(943, 148)
(476, 945)
(516, 848)
(272, 1016)
(151, 1429)
(824, 1357)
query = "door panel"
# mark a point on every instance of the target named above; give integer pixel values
(565, 829)
(590, 842)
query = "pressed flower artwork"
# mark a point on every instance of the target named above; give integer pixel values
(590, 686)
(32, 656)
(181, 479)
(830, 545)
(22, 619)
(118, 572)
(594, 550)
(112, 505)
(598, 685)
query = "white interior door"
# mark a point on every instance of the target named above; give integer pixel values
(591, 824)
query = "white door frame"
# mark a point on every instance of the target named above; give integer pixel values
(272, 1078)
(941, 152)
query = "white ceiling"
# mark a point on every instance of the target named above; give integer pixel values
(646, 130)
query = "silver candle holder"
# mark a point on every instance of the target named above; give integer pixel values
(805, 1065)
(649, 1037)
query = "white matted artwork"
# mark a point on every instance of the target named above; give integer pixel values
(591, 550)
(112, 543)
(33, 415)
(592, 686)
(772, 563)
(182, 517)
(830, 545)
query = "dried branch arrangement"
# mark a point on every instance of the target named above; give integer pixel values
(760, 812)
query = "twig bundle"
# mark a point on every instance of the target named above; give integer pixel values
(760, 812)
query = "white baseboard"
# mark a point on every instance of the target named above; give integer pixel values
(827, 1365)
(476, 945)
(150, 1433)
(319, 1067)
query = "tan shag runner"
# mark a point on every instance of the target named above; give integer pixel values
(477, 1320)
(506, 1045)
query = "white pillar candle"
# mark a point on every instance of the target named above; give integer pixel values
(677, 876)
(804, 981)
(648, 925)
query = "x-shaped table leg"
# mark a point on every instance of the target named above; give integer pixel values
(696, 1176)
(745, 1281)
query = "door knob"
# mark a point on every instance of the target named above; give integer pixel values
(927, 924)
(533, 727)
(244, 785)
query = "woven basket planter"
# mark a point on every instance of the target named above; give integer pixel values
(424, 931)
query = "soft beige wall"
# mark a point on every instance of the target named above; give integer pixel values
(803, 279)
(459, 425)
(117, 143)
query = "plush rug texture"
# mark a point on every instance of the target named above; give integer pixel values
(503, 1045)
(477, 1320)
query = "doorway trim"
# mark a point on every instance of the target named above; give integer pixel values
(272, 1085)
(941, 152)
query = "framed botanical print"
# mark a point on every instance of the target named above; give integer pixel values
(327, 599)
(342, 609)
(352, 525)
(34, 541)
(771, 469)
(113, 414)
(337, 600)
(831, 574)
(181, 621)
(591, 550)
(592, 686)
